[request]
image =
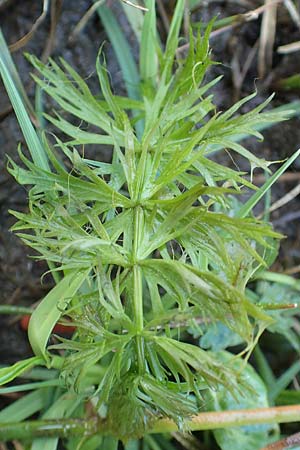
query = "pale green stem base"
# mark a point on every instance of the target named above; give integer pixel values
(203, 421)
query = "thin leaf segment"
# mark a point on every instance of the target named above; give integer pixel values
(147, 240)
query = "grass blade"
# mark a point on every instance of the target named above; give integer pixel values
(172, 41)
(285, 379)
(63, 407)
(148, 56)
(30, 386)
(24, 407)
(124, 56)
(8, 374)
(249, 205)
(19, 103)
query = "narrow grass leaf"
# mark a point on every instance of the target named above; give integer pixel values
(148, 55)
(17, 100)
(24, 407)
(249, 205)
(172, 41)
(62, 408)
(284, 380)
(8, 374)
(124, 56)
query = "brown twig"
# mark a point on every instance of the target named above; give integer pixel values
(55, 13)
(5, 112)
(292, 270)
(286, 177)
(17, 445)
(285, 443)
(239, 74)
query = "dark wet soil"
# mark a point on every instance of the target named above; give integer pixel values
(20, 275)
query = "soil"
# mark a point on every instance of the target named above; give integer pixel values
(20, 274)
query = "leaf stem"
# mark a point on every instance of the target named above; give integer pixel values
(203, 421)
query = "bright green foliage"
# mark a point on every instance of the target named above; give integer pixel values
(147, 241)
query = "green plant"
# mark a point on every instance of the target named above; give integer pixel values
(144, 246)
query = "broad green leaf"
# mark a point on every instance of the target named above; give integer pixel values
(218, 337)
(110, 443)
(248, 437)
(50, 309)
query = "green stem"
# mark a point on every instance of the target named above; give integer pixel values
(228, 419)
(138, 287)
(49, 428)
(203, 421)
(12, 309)
(138, 299)
(138, 312)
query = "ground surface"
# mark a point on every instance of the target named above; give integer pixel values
(19, 275)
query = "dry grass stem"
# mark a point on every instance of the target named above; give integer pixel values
(292, 270)
(286, 177)
(292, 11)
(267, 38)
(84, 20)
(135, 5)
(240, 74)
(17, 445)
(55, 13)
(285, 199)
(289, 48)
(28, 36)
